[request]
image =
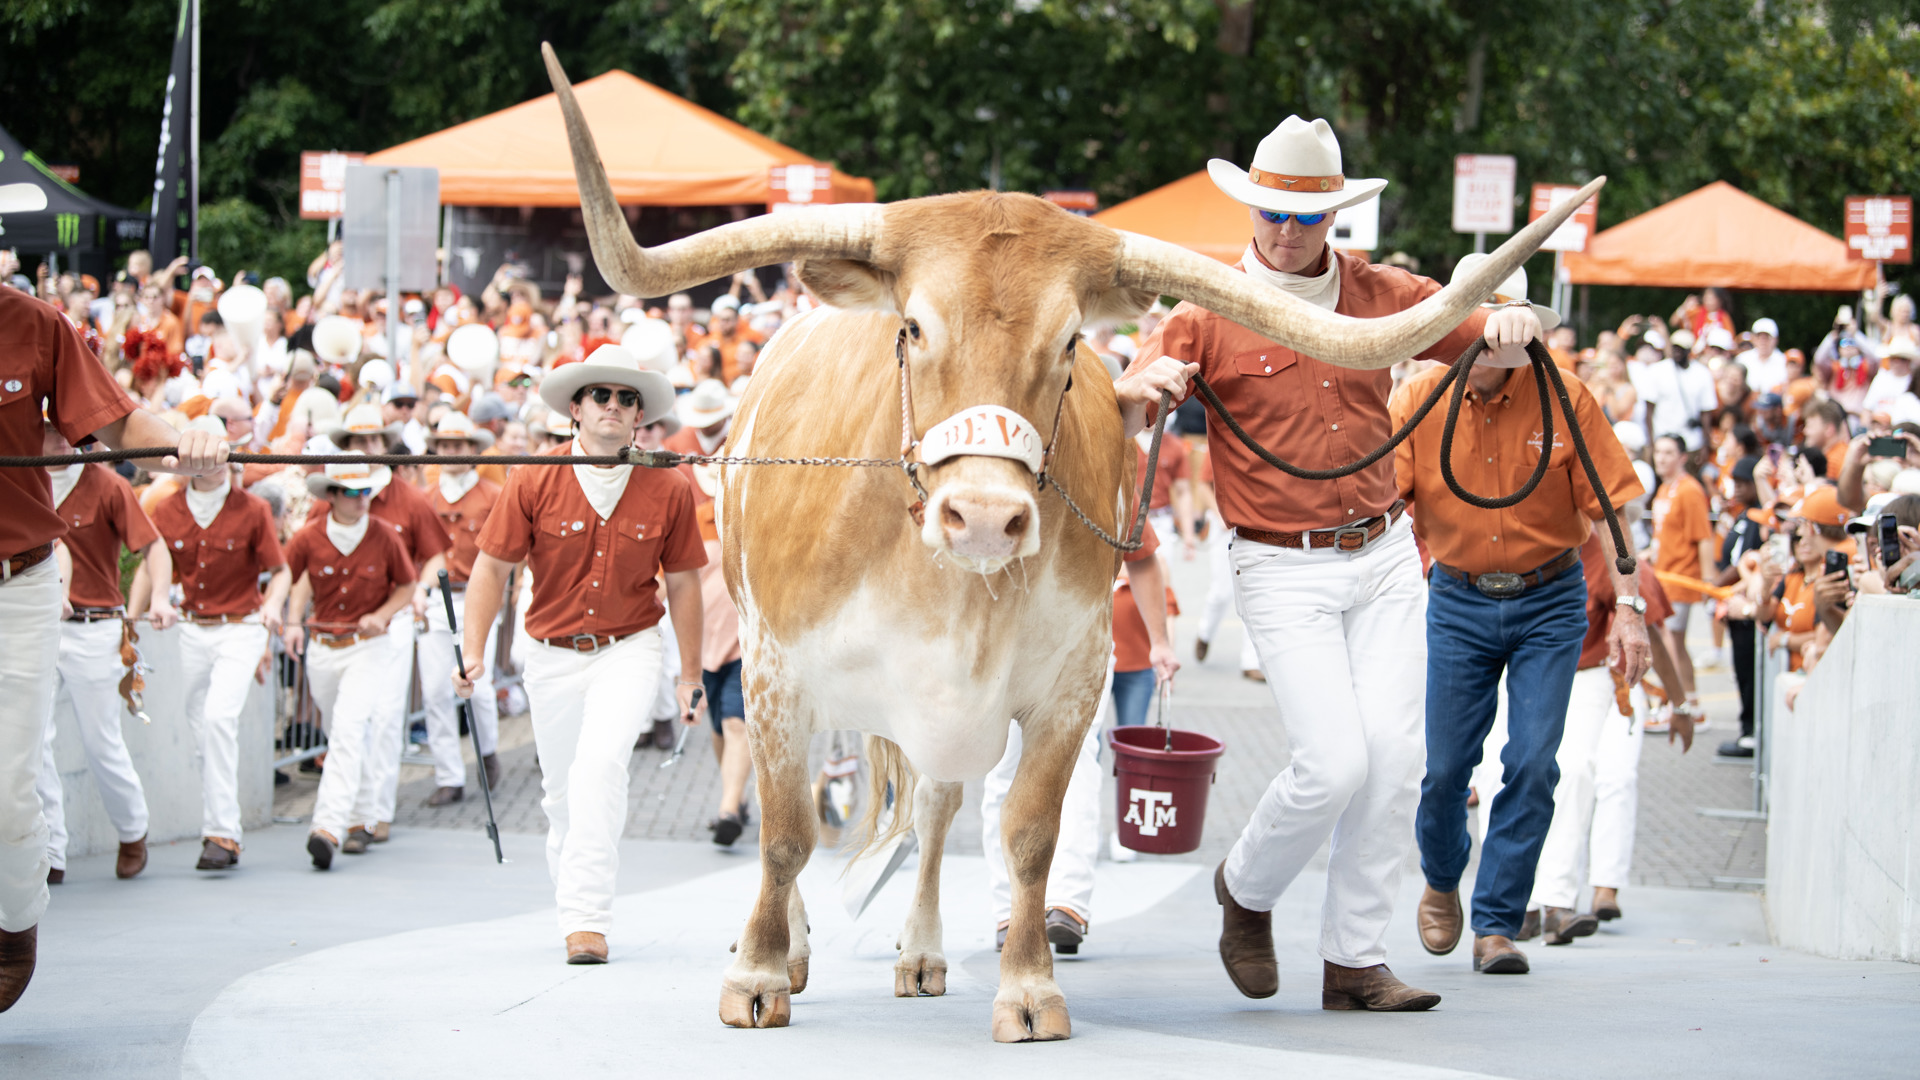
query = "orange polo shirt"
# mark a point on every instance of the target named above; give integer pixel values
(1312, 414)
(1496, 446)
(219, 567)
(1679, 524)
(101, 515)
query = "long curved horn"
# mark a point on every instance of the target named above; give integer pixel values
(1168, 269)
(836, 232)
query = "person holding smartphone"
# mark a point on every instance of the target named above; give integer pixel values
(1813, 594)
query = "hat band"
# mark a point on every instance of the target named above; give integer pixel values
(1284, 182)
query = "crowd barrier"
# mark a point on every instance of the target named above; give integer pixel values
(1843, 841)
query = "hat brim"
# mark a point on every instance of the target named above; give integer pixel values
(673, 424)
(1233, 180)
(702, 418)
(319, 484)
(480, 437)
(558, 388)
(337, 432)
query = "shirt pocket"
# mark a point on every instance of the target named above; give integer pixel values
(1551, 504)
(565, 536)
(1276, 380)
(637, 547)
(17, 390)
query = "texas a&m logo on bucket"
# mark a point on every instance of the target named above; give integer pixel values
(1148, 810)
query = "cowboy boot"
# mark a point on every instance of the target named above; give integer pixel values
(1440, 920)
(1562, 925)
(1529, 926)
(1606, 904)
(1246, 943)
(131, 860)
(17, 950)
(1495, 954)
(1370, 989)
(586, 947)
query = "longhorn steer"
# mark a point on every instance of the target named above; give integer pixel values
(997, 607)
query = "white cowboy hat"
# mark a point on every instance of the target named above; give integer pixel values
(706, 405)
(352, 475)
(1296, 170)
(362, 419)
(610, 365)
(458, 425)
(557, 424)
(651, 342)
(1513, 289)
(23, 198)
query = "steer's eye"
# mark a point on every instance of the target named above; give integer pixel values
(1072, 344)
(913, 329)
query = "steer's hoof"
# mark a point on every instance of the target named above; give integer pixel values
(1024, 1021)
(920, 975)
(747, 1009)
(797, 975)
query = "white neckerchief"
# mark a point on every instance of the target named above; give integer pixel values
(1322, 291)
(454, 486)
(205, 505)
(347, 537)
(64, 481)
(602, 486)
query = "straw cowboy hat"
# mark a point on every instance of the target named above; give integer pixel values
(348, 476)
(458, 425)
(1512, 290)
(1296, 170)
(707, 404)
(610, 365)
(362, 419)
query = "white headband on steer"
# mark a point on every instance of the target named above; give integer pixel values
(984, 431)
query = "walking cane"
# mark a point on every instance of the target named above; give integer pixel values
(466, 717)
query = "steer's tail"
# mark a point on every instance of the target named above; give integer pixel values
(887, 765)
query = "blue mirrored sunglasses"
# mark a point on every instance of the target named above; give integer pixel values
(1281, 219)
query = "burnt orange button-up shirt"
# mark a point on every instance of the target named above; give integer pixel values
(219, 567)
(463, 521)
(347, 588)
(101, 514)
(1495, 448)
(1312, 414)
(594, 575)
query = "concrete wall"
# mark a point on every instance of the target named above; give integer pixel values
(1843, 843)
(164, 756)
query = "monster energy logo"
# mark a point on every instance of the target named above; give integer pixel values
(69, 229)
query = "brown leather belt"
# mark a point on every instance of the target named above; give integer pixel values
(1501, 585)
(586, 643)
(97, 614)
(26, 560)
(1352, 537)
(337, 641)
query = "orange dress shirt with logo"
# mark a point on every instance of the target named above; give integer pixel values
(463, 521)
(1312, 414)
(347, 588)
(1496, 446)
(594, 575)
(101, 514)
(1679, 524)
(219, 567)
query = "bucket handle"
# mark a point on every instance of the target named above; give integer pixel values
(1166, 689)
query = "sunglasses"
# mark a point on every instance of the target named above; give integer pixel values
(354, 493)
(603, 394)
(1277, 218)
(522, 380)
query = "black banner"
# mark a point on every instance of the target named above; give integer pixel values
(173, 209)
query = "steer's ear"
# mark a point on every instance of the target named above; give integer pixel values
(849, 285)
(1115, 305)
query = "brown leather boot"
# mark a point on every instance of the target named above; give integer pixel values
(1529, 926)
(381, 832)
(17, 950)
(443, 796)
(131, 860)
(1372, 989)
(1606, 904)
(56, 875)
(356, 841)
(1562, 925)
(1497, 955)
(586, 947)
(1440, 920)
(1246, 943)
(216, 855)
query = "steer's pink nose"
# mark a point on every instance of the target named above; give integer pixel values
(986, 526)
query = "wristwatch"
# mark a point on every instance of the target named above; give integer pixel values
(1635, 604)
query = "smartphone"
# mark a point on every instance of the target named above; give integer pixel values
(1780, 551)
(1887, 532)
(1887, 446)
(1836, 563)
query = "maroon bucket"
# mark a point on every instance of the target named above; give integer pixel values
(1161, 802)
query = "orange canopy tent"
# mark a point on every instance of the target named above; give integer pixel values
(1191, 212)
(659, 150)
(1719, 235)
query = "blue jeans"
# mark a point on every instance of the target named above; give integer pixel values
(1132, 693)
(1471, 638)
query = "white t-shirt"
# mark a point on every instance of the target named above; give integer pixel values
(1767, 375)
(1675, 398)
(1883, 390)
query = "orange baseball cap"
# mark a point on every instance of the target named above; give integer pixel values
(1821, 506)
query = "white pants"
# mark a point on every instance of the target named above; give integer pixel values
(1220, 590)
(1597, 800)
(387, 740)
(588, 708)
(349, 686)
(666, 704)
(1070, 879)
(29, 650)
(217, 666)
(1342, 639)
(88, 679)
(435, 649)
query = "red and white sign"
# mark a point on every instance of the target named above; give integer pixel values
(323, 182)
(801, 184)
(1573, 233)
(1880, 228)
(1483, 193)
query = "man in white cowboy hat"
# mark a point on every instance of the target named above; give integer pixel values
(399, 404)
(1326, 575)
(707, 413)
(462, 499)
(596, 538)
(1506, 598)
(355, 572)
(401, 508)
(222, 539)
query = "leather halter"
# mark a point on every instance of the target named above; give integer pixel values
(909, 443)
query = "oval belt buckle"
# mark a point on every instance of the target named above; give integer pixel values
(1500, 586)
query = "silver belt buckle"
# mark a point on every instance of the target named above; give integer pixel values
(1350, 538)
(1500, 586)
(593, 643)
